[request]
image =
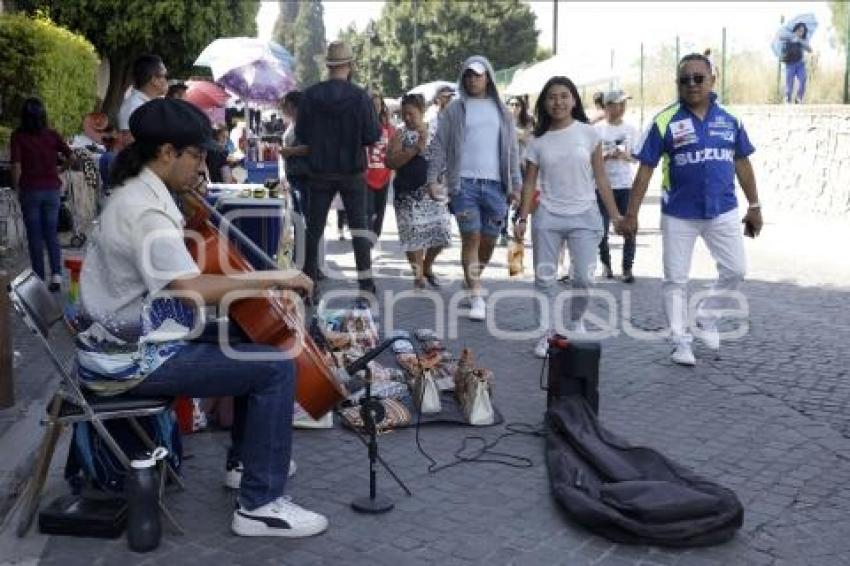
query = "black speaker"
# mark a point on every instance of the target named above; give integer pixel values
(574, 370)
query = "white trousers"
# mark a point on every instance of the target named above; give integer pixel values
(582, 234)
(723, 236)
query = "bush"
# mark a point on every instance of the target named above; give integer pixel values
(45, 60)
(5, 136)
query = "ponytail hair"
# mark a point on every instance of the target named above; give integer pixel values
(130, 161)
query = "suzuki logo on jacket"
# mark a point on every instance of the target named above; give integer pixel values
(702, 155)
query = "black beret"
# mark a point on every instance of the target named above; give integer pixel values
(174, 121)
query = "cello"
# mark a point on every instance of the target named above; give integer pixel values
(270, 318)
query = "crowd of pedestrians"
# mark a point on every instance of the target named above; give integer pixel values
(569, 174)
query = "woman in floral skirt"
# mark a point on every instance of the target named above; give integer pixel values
(422, 218)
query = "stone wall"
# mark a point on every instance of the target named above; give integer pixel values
(802, 158)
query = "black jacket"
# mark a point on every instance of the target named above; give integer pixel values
(337, 120)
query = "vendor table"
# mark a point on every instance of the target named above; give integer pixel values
(263, 220)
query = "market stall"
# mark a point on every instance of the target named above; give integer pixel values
(263, 215)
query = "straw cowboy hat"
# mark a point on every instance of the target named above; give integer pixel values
(339, 53)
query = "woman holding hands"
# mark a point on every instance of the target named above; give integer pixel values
(565, 154)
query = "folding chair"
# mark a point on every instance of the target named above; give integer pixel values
(70, 404)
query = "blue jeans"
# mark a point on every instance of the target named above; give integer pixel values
(480, 206)
(262, 424)
(40, 209)
(792, 71)
(621, 197)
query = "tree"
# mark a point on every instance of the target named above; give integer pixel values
(542, 54)
(840, 9)
(448, 32)
(309, 42)
(284, 26)
(382, 71)
(177, 30)
(45, 60)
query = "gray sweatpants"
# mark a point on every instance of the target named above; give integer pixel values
(582, 234)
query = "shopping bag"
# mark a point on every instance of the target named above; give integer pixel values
(426, 394)
(473, 389)
(481, 410)
(516, 253)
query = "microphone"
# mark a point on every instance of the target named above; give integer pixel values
(360, 363)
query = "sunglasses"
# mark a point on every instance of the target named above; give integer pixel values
(686, 80)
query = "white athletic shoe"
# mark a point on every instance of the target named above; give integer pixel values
(280, 518)
(709, 335)
(477, 308)
(683, 355)
(233, 476)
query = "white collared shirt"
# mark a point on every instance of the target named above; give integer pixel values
(136, 99)
(135, 251)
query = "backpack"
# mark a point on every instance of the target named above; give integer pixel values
(629, 494)
(90, 461)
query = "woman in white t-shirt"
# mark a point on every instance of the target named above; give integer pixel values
(566, 155)
(619, 139)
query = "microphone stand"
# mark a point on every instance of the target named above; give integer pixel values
(372, 413)
(380, 460)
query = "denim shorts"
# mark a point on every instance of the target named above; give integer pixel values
(480, 206)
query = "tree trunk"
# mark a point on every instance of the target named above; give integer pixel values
(120, 69)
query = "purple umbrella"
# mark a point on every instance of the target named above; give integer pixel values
(259, 72)
(260, 82)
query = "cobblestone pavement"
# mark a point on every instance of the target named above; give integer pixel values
(768, 418)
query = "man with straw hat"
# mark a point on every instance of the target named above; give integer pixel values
(337, 120)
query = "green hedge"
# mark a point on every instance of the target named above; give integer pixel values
(42, 59)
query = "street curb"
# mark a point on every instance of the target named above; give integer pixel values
(20, 447)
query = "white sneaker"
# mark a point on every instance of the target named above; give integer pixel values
(280, 518)
(709, 335)
(683, 355)
(477, 308)
(233, 476)
(541, 349)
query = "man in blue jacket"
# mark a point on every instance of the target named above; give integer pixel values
(704, 148)
(337, 120)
